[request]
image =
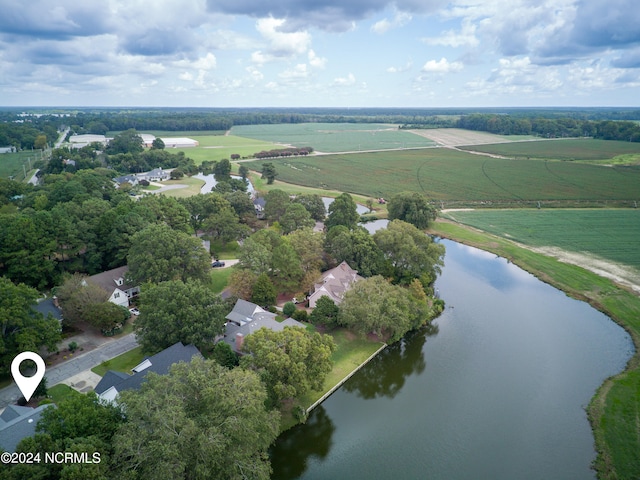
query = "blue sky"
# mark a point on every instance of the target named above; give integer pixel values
(320, 53)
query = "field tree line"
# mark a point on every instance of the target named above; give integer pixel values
(22, 131)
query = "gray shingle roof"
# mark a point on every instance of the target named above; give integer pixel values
(160, 364)
(17, 423)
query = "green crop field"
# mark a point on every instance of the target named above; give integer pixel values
(611, 234)
(335, 137)
(450, 175)
(570, 149)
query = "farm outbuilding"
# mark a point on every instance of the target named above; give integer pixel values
(179, 142)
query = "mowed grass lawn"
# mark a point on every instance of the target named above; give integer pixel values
(122, 363)
(451, 175)
(613, 234)
(193, 187)
(217, 147)
(335, 137)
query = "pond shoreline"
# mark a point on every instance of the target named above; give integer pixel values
(613, 441)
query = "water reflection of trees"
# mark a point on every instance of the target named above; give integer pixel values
(292, 450)
(385, 375)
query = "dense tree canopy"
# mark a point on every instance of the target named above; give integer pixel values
(409, 253)
(177, 311)
(343, 211)
(314, 205)
(295, 216)
(23, 328)
(201, 421)
(373, 305)
(128, 141)
(413, 208)
(159, 253)
(357, 248)
(80, 423)
(290, 362)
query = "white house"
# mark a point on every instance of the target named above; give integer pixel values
(155, 175)
(115, 284)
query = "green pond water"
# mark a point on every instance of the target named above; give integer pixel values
(499, 392)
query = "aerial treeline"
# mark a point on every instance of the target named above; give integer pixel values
(283, 152)
(79, 222)
(551, 127)
(24, 135)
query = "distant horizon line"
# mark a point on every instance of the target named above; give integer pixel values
(528, 107)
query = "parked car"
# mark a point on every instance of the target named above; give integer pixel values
(134, 311)
(217, 263)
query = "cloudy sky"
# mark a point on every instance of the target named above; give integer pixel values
(263, 53)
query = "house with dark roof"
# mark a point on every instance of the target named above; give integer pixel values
(114, 282)
(334, 284)
(130, 179)
(247, 318)
(47, 306)
(17, 423)
(115, 382)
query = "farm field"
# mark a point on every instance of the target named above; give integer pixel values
(457, 177)
(335, 137)
(456, 137)
(582, 149)
(611, 234)
(11, 163)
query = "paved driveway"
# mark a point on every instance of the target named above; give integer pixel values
(70, 368)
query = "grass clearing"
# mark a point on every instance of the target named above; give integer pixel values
(15, 164)
(615, 408)
(60, 392)
(335, 137)
(193, 187)
(220, 278)
(122, 363)
(217, 147)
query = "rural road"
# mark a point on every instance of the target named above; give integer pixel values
(68, 369)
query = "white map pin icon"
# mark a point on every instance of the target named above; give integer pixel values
(27, 385)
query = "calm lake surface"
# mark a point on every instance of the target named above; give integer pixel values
(498, 393)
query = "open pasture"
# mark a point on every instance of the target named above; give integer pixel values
(335, 137)
(11, 164)
(217, 147)
(587, 149)
(611, 234)
(451, 175)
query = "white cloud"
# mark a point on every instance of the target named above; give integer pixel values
(466, 37)
(316, 61)
(282, 43)
(401, 69)
(442, 66)
(345, 81)
(383, 26)
(297, 72)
